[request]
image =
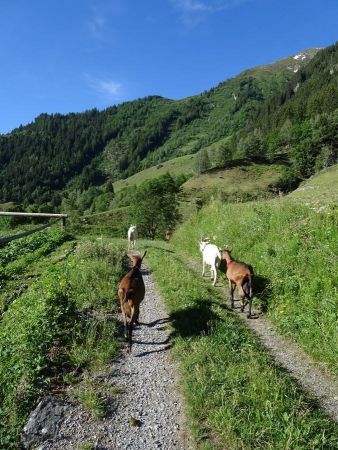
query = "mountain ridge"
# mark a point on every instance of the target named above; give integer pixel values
(74, 152)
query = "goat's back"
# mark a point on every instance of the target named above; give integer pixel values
(132, 286)
(237, 271)
(211, 254)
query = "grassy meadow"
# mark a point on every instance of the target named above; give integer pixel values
(238, 183)
(235, 394)
(183, 165)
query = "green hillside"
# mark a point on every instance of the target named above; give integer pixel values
(183, 165)
(62, 156)
(320, 190)
(242, 182)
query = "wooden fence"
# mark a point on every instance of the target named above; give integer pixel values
(56, 217)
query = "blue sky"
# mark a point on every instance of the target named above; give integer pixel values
(72, 55)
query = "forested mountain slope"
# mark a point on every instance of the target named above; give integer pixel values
(58, 155)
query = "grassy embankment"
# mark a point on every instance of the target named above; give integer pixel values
(236, 396)
(239, 182)
(58, 332)
(292, 244)
(183, 165)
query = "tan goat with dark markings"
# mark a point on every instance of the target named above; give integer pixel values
(239, 274)
(131, 293)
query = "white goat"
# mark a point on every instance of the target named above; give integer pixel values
(131, 237)
(211, 257)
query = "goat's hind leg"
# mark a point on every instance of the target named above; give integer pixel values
(137, 313)
(125, 324)
(243, 303)
(214, 275)
(250, 308)
(203, 268)
(134, 315)
(247, 298)
(130, 335)
(232, 287)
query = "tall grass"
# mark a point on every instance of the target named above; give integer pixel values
(60, 323)
(293, 250)
(236, 396)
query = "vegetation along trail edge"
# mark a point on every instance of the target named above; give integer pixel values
(321, 385)
(147, 412)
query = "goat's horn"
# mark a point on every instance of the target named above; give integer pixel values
(144, 255)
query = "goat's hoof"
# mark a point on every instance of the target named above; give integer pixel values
(249, 316)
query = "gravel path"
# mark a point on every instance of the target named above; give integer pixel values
(147, 413)
(320, 384)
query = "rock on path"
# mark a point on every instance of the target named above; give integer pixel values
(149, 394)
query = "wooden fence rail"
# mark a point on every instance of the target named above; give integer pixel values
(56, 217)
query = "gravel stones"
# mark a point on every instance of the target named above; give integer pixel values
(147, 412)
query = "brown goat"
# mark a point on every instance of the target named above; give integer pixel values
(131, 293)
(239, 274)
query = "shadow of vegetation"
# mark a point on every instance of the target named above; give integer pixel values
(262, 290)
(194, 321)
(157, 322)
(149, 352)
(165, 342)
(156, 247)
(243, 162)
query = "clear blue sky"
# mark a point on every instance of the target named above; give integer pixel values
(72, 55)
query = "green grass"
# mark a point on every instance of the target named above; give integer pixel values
(236, 396)
(110, 223)
(59, 328)
(176, 166)
(243, 182)
(18, 255)
(293, 250)
(90, 396)
(30, 269)
(319, 191)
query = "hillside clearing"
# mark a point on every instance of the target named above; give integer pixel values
(245, 181)
(183, 165)
(319, 191)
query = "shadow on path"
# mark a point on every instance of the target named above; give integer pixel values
(194, 320)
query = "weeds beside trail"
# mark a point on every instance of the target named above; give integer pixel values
(293, 250)
(56, 333)
(237, 397)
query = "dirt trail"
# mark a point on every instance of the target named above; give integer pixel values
(321, 385)
(147, 382)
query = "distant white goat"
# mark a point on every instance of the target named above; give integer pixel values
(131, 237)
(211, 256)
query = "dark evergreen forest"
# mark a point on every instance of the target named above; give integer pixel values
(273, 112)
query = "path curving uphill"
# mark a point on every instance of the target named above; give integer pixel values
(147, 412)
